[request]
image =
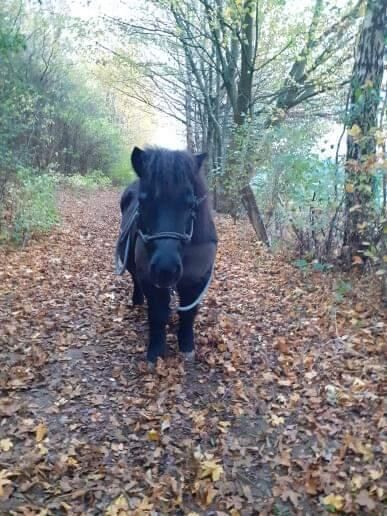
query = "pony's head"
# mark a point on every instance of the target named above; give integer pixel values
(170, 194)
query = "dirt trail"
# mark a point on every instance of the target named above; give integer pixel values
(282, 413)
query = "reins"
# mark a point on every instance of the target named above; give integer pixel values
(124, 234)
(184, 237)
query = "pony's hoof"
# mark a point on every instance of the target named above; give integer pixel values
(189, 356)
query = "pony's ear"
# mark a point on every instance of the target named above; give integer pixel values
(138, 161)
(199, 158)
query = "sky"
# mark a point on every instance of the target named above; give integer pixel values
(168, 132)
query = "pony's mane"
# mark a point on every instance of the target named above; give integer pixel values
(168, 172)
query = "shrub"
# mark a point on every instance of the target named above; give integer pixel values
(32, 207)
(121, 172)
(91, 181)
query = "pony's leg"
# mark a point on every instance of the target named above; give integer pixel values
(158, 312)
(186, 330)
(138, 295)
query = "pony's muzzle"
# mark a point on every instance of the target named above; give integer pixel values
(165, 270)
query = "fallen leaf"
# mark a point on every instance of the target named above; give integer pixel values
(40, 432)
(6, 444)
(276, 420)
(119, 507)
(153, 435)
(333, 501)
(375, 474)
(364, 500)
(211, 468)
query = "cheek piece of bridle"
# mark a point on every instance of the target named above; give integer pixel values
(183, 237)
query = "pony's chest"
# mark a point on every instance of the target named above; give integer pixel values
(197, 260)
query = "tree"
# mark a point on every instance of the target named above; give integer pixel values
(365, 92)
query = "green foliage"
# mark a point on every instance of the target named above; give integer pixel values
(121, 173)
(56, 118)
(297, 190)
(52, 110)
(301, 264)
(33, 207)
(341, 290)
(92, 181)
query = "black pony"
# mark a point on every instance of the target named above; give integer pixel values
(167, 240)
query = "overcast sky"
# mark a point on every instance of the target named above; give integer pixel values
(168, 132)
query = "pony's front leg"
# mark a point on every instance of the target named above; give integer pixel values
(138, 296)
(158, 312)
(185, 334)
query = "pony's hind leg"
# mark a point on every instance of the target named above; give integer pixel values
(158, 312)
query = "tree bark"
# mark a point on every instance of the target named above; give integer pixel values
(366, 82)
(255, 217)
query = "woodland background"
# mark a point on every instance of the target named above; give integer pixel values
(287, 98)
(283, 411)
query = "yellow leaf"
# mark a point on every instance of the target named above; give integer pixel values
(349, 187)
(380, 137)
(375, 474)
(355, 132)
(40, 432)
(223, 426)
(210, 468)
(357, 481)
(4, 480)
(358, 385)
(72, 462)
(277, 420)
(368, 84)
(153, 435)
(334, 501)
(144, 508)
(6, 444)
(42, 449)
(119, 507)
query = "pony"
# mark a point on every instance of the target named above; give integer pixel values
(167, 241)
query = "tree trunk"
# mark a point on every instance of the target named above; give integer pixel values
(251, 206)
(361, 146)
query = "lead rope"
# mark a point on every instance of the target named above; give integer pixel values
(198, 299)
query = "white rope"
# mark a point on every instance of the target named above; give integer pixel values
(201, 295)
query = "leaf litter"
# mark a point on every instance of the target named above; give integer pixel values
(282, 412)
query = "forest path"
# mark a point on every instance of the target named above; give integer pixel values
(282, 413)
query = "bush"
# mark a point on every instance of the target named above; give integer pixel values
(121, 173)
(31, 208)
(91, 181)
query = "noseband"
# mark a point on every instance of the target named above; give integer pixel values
(183, 237)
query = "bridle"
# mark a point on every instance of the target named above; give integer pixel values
(183, 237)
